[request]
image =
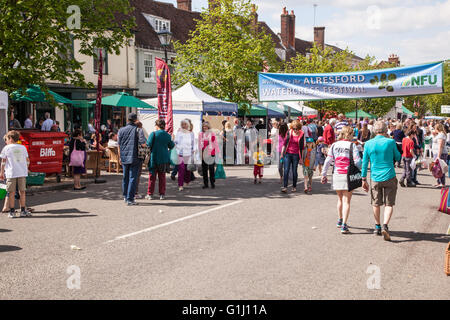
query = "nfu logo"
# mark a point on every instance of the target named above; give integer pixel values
(420, 81)
(47, 152)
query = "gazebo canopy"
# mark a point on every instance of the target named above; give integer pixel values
(35, 94)
(261, 111)
(361, 114)
(191, 98)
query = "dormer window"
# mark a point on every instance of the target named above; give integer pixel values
(158, 24)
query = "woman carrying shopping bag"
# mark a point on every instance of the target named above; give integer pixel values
(185, 147)
(209, 150)
(77, 156)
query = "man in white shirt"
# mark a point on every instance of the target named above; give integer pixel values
(28, 124)
(14, 167)
(112, 142)
(48, 123)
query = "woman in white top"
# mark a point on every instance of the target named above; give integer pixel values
(339, 153)
(439, 149)
(185, 146)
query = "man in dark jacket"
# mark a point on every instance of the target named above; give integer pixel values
(128, 146)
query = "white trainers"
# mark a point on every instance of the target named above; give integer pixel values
(180, 189)
(11, 215)
(161, 197)
(149, 197)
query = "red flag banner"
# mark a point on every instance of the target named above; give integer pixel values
(98, 104)
(164, 90)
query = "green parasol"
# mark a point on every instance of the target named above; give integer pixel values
(123, 99)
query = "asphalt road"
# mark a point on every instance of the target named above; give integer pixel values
(239, 241)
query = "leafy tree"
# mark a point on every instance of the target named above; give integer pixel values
(36, 38)
(225, 52)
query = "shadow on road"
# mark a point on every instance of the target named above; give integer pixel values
(5, 248)
(418, 236)
(5, 230)
(410, 236)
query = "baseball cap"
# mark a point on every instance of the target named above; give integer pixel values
(132, 116)
(309, 140)
(320, 139)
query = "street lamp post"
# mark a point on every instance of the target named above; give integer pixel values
(165, 37)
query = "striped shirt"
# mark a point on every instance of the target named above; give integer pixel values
(339, 125)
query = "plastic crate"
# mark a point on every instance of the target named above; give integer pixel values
(35, 179)
(447, 260)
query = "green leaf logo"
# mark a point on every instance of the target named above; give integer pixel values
(384, 81)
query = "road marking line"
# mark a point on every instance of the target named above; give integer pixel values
(174, 221)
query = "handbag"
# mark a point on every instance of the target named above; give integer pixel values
(143, 151)
(354, 179)
(77, 157)
(436, 170)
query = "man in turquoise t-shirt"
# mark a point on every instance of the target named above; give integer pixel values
(382, 153)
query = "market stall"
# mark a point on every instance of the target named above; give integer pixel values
(189, 102)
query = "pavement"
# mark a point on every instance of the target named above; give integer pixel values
(238, 241)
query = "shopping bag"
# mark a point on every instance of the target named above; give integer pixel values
(220, 172)
(174, 157)
(2, 191)
(413, 165)
(444, 205)
(444, 166)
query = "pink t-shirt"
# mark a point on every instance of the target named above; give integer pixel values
(293, 145)
(281, 142)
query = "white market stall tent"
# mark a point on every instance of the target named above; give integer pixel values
(188, 102)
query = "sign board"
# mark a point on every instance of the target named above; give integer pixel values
(390, 82)
(445, 109)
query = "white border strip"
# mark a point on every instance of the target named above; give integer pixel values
(174, 221)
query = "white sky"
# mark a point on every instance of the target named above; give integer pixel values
(418, 31)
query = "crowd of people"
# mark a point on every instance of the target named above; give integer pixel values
(343, 142)
(339, 143)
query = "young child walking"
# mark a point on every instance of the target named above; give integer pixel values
(258, 167)
(14, 167)
(408, 156)
(309, 161)
(321, 154)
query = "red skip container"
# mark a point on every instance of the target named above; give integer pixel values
(45, 150)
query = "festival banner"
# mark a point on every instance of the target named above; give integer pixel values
(391, 82)
(164, 90)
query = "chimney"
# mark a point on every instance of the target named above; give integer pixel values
(254, 18)
(285, 28)
(185, 5)
(393, 58)
(292, 29)
(319, 37)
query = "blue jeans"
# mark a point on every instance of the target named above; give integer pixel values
(129, 181)
(290, 159)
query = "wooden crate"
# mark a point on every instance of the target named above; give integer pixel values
(447, 260)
